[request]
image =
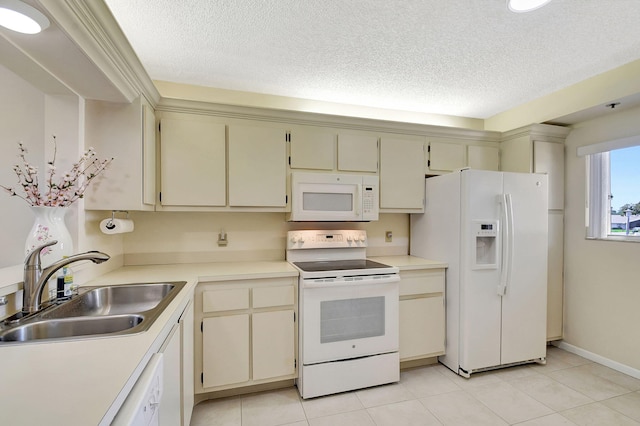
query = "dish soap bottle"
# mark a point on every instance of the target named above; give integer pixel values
(68, 281)
(64, 282)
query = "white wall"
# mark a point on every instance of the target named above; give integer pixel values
(22, 109)
(602, 278)
(31, 116)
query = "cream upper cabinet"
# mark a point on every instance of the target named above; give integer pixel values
(446, 155)
(357, 152)
(126, 133)
(443, 155)
(402, 173)
(192, 161)
(538, 153)
(312, 148)
(483, 157)
(516, 155)
(548, 158)
(257, 166)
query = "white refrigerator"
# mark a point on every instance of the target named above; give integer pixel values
(491, 229)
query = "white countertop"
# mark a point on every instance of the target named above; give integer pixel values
(405, 263)
(84, 382)
(80, 382)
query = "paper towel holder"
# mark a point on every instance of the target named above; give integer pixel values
(110, 224)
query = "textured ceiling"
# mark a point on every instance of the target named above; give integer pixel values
(469, 58)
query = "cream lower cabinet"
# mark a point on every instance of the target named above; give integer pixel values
(247, 333)
(177, 400)
(422, 316)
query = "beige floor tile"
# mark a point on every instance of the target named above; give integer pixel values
(332, 404)
(553, 364)
(566, 357)
(460, 409)
(516, 372)
(406, 413)
(628, 404)
(353, 418)
(550, 420)
(217, 412)
(550, 392)
(272, 408)
(509, 403)
(381, 395)
(476, 380)
(580, 392)
(581, 380)
(597, 414)
(612, 375)
(427, 381)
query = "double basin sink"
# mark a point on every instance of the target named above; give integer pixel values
(98, 311)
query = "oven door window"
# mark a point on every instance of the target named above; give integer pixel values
(351, 319)
(345, 322)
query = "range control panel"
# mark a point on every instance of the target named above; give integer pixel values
(326, 239)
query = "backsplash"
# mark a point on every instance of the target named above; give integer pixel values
(179, 237)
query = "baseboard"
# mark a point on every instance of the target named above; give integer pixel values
(629, 371)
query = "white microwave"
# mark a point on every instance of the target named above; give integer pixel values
(333, 197)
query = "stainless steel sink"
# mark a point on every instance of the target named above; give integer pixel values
(115, 300)
(98, 311)
(71, 327)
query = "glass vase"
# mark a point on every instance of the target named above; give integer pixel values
(49, 225)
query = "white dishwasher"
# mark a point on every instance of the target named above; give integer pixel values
(142, 405)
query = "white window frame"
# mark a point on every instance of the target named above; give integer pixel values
(598, 188)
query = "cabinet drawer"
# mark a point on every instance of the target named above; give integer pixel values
(225, 300)
(421, 282)
(273, 296)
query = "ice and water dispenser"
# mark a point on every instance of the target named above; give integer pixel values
(485, 234)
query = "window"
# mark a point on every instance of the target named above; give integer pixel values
(613, 185)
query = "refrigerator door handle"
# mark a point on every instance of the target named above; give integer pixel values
(507, 250)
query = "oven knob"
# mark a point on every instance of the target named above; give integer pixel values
(295, 239)
(362, 238)
(349, 238)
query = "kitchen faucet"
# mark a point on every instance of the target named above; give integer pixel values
(35, 278)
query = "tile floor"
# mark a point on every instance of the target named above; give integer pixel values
(568, 390)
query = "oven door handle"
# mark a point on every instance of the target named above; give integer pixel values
(349, 281)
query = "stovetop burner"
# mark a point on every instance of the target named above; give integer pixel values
(339, 265)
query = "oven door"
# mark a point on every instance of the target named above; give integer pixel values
(348, 318)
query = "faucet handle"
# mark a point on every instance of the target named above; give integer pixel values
(33, 258)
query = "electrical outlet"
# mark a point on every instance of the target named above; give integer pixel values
(222, 238)
(388, 236)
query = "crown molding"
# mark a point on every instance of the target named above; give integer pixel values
(93, 29)
(549, 132)
(322, 120)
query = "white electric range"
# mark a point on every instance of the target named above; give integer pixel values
(348, 309)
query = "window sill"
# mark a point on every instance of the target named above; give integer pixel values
(620, 238)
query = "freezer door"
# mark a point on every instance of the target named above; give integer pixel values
(480, 305)
(524, 304)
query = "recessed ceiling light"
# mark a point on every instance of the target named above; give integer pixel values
(18, 16)
(519, 6)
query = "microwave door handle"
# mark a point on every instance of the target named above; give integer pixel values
(357, 201)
